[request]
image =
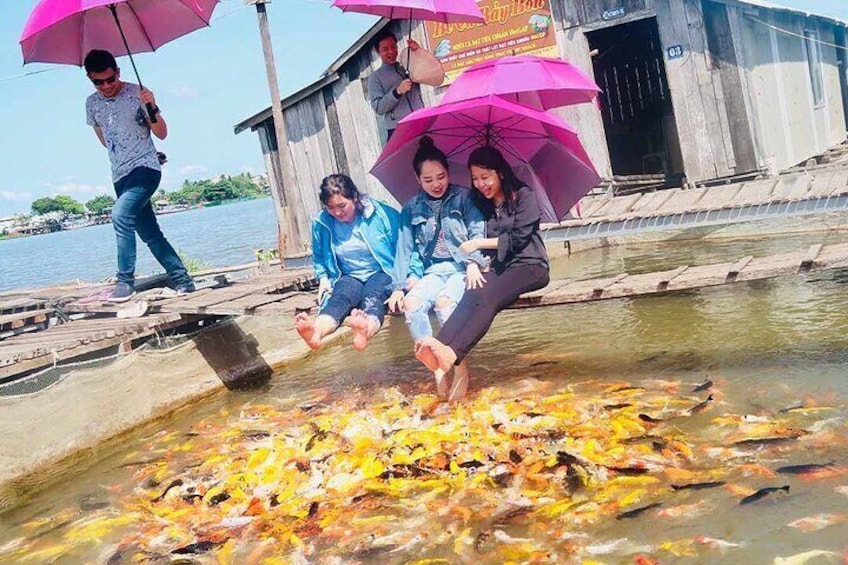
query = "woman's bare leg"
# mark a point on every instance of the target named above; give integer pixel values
(313, 331)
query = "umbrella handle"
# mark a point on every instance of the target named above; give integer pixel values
(114, 9)
(151, 113)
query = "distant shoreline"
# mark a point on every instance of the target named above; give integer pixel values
(211, 204)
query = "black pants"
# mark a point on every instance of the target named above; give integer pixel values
(477, 310)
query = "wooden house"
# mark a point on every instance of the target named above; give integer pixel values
(693, 90)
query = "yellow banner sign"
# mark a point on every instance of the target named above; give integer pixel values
(513, 27)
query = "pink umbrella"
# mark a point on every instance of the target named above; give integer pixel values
(544, 151)
(64, 31)
(540, 82)
(447, 11)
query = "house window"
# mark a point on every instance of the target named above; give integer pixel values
(815, 66)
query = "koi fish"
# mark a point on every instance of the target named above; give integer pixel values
(637, 511)
(763, 492)
(803, 468)
(817, 522)
(698, 486)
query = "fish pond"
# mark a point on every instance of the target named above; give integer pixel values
(699, 427)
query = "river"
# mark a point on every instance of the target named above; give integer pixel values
(217, 236)
(266, 476)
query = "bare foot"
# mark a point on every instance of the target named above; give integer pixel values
(363, 327)
(424, 353)
(459, 387)
(442, 384)
(308, 330)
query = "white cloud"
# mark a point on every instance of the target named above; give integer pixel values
(80, 190)
(183, 91)
(13, 196)
(189, 170)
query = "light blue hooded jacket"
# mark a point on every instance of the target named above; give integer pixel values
(380, 226)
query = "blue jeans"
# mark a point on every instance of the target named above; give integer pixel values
(442, 280)
(133, 214)
(349, 293)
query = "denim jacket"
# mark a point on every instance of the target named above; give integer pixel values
(461, 221)
(380, 224)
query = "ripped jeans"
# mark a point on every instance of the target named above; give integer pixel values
(444, 280)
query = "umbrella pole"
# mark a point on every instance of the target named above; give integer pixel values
(408, 60)
(114, 9)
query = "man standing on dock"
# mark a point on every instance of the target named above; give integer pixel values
(116, 112)
(393, 94)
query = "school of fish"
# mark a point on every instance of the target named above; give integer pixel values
(535, 472)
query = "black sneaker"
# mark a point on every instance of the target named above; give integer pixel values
(122, 293)
(187, 288)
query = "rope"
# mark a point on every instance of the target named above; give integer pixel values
(799, 35)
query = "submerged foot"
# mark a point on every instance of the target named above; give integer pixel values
(424, 353)
(308, 330)
(363, 327)
(459, 388)
(442, 384)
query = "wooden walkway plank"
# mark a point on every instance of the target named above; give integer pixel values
(682, 201)
(651, 202)
(717, 197)
(617, 206)
(792, 187)
(302, 301)
(755, 192)
(821, 185)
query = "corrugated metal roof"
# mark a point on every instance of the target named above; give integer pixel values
(786, 9)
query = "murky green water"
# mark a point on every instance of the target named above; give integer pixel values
(766, 346)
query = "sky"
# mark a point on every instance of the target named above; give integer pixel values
(205, 83)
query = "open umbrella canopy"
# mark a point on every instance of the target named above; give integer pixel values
(447, 11)
(544, 151)
(540, 82)
(64, 31)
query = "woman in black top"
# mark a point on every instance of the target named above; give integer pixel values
(519, 262)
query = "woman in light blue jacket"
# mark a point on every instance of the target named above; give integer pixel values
(429, 264)
(354, 240)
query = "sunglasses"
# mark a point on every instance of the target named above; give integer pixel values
(102, 81)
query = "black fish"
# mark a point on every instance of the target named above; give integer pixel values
(651, 419)
(313, 509)
(763, 441)
(255, 434)
(195, 548)
(471, 464)
(572, 481)
(218, 499)
(190, 498)
(565, 458)
(319, 436)
(698, 486)
(706, 385)
(701, 405)
(514, 456)
(617, 406)
(762, 493)
(629, 471)
(174, 483)
(637, 511)
(533, 414)
(805, 468)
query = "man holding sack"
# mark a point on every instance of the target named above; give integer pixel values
(392, 91)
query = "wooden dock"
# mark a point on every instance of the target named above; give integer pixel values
(109, 327)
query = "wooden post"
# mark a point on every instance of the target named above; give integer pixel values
(288, 232)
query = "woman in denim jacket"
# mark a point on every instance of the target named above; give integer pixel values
(429, 264)
(354, 240)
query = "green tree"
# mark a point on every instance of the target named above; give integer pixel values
(44, 205)
(98, 204)
(61, 203)
(69, 205)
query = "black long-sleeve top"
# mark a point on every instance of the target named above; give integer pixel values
(519, 239)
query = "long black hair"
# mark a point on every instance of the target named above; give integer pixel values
(340, 185)
(490, 158)
(427, 151)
